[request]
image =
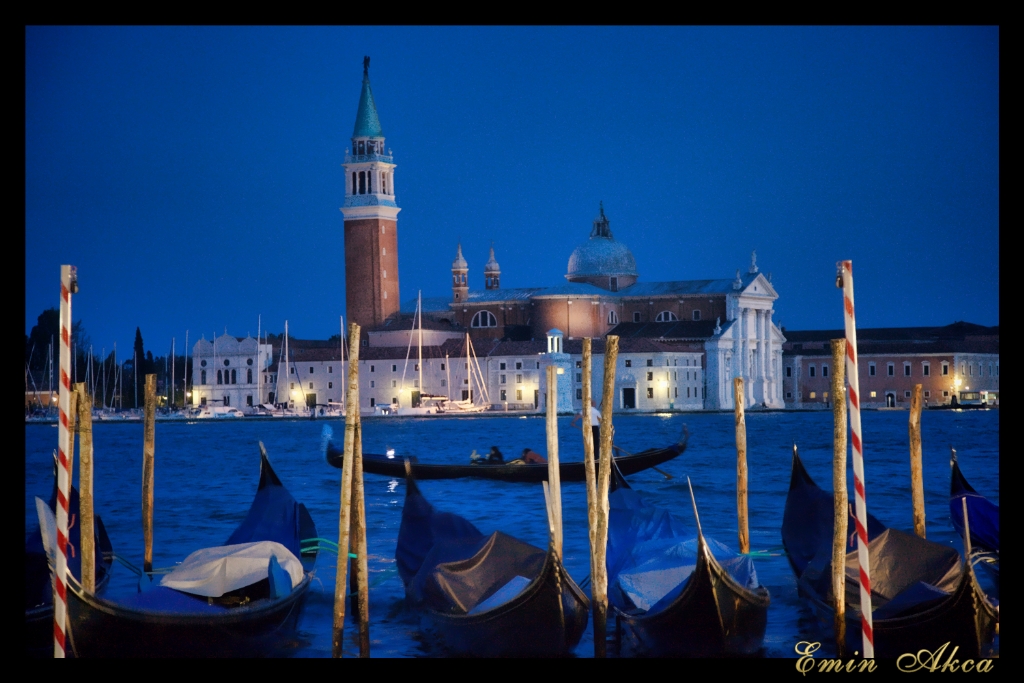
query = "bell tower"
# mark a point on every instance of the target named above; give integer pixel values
(460, 275)
(371, 218)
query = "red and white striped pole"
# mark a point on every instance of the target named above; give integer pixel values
(861, 506)
(68, 286)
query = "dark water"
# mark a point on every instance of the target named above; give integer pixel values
(207, 472)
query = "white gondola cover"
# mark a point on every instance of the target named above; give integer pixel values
(212, 572)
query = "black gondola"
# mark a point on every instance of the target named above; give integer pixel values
(486, 596)
(38, 575)
(983, 518)
(667, 589)
(923, 594)
(249, 621)
(515, 471)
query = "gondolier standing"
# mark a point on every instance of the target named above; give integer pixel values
(595, 422)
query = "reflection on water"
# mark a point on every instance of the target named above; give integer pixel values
(207, 472)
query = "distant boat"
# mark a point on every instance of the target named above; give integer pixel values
(218, 412)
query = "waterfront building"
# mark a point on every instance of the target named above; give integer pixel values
(225, 371)
(960, 360)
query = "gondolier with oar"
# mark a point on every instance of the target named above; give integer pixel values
(595, 424)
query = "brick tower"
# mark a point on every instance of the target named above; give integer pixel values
(371, 219)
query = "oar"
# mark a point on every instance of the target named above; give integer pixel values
(658, 470)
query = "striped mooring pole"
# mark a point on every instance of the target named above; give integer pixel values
(845, 281)
(68, 286)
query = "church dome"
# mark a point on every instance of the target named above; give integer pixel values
(601, 256)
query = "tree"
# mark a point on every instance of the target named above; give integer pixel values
(45, 332)
(138, 378)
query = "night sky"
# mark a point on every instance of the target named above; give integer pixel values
(193, 175)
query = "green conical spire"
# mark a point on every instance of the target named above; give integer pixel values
(367, 123)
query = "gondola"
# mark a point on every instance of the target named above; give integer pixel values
(38, 574)
(676, 593)
(194, 619)
(923, 594)
(515, 471)
(983, 519)
(486, 595)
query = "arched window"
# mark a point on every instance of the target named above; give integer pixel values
(666, 317)
(355, 188)
(484, 319)
(234, 377)
(220, 379)
(202, 379)
(362, 182)
(248, 376)
(613, 318)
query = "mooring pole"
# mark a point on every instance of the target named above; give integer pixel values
(360, 567)
(599, 582)
(741, 464)
(345, 512)
(85, 499)
(591, 475)
(916, 475)
(554, 475)
(148, 465)
(65, 448)
(840, 505)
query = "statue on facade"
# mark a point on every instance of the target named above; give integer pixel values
(753, 261)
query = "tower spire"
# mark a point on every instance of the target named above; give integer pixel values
(367, 121)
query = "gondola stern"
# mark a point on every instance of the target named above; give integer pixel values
(268, 477)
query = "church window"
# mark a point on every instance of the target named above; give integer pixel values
(382, 229)
(227, 400)
(613, 318)
(362, 182)
(385, 294)
(360, 147)
(385, 273)
(636, 316)
(355, 188)
(696, 315)
(220, 379)
(234, 377)
(665, 317)
(203, 378)
(383, 251)
(484, 319)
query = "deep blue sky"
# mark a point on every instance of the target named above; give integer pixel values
(193, 174)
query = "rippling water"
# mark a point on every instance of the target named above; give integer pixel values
(207, 472)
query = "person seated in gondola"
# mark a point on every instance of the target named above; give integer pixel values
(532, 457)
(495, 456)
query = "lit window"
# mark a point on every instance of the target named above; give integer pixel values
(814, 394)
(519, 394)
(874, 394)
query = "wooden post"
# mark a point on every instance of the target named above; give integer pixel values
(73, 415)
(148, 464)
(554, 475)
(85, 503)
(840, 502)
(360, 568)
(916, 476)
(599, 579)
(344, 514)
(591, 475)
(741, 464)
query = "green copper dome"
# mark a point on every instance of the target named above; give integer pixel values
(367, 122)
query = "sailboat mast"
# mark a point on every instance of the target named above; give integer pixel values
(259, 361)
(419, 311)
(448, 371)
(174, 395)
(344, 377)
(469, 377)
(286, 359)
(184, 379)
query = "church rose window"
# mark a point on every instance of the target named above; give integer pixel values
(484, 319)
